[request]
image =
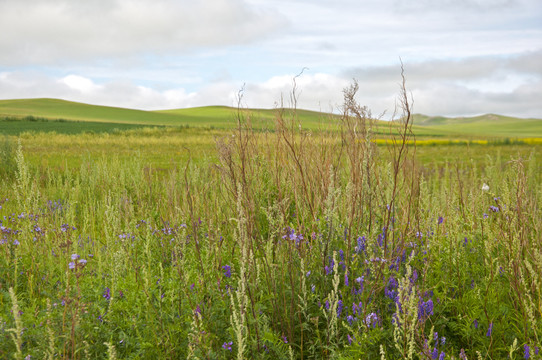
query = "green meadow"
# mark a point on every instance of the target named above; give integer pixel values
(42, 115)
(222, 233)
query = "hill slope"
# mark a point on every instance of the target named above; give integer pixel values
(69, 110)
(485, 126)
(488, 125)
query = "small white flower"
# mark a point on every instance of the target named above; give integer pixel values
(485, 187)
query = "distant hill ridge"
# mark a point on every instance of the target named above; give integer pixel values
(224, 117)
(197, 116)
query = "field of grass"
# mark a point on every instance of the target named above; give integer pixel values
(232, 243)
(17, 126)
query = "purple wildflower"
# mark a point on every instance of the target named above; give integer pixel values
(440, 220)
(526, 351)
(371, 320)
(349, 339)
(75, 257)
(475, 323)
(285, 339)
(462, 355)
(489, 330)
(106, 294)
(494, 208)
(414, 276)
(227, 345)
(82, 261)
(441, 357)
(425, 309)
(361, 244)
(346, 278)
(71, 265)
(227, 270)
(379, 239)
(339, 308)
(434, 354)
(350, 319)
(329, 269)
(389, 289)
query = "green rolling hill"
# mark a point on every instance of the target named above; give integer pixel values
(21, 115)
(488, 125)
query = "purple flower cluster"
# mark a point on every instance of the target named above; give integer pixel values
(359, 281)
(329, 269)
(339, 308)
(361, 245)
(357, 308)
(435, 354)
(371, 320)
(72, 264)
(107, 294)
(293, 236)
(425, 309)
(285, 339)
(494, 209)
(227, 345)
(390, 289)
(227, 270)
(65, 228)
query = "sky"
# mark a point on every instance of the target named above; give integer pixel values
(460, 57)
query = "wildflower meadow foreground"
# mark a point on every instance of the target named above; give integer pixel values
(285, 244)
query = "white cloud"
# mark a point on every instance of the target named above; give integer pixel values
(80, 84)
(505, 85)
(56, 31)
(312, 91)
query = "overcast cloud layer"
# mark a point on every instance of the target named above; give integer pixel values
(461, 57)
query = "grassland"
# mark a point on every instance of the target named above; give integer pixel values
(27, 124)
(216, 242)
(492, 127)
